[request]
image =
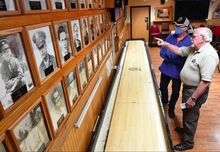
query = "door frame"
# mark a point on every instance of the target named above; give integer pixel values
(148, 6)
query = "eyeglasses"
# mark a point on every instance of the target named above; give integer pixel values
(194, 36)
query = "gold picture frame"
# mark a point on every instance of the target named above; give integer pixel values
(163, 13)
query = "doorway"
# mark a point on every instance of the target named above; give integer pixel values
(140, 22)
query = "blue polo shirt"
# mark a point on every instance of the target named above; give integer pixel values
(172, 63)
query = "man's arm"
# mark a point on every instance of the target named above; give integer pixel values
(173, 48)
(202, 87)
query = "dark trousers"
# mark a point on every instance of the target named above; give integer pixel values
(191, 116)
(176, 84)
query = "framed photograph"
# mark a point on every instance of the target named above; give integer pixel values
(216, 12)
(85, 31)
(106, 43)
(9, 7)
(35, 6)
(90, 5)
(82, 74)
(163, 13)
(101, 23)
(95, 57)
(72, 87)
(63, 39)
(97, 25)
(58, 4)
(109, 65)
(92, 28)
(43, 49)
(95, 4)
(89, 64)
(31, 132)
(104, 21)
(56, 105)
(75, 26)
(15, 76)
(73, 4)
(99, 48)
(103, 47)
(82, 3)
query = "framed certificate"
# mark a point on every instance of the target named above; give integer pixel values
(15, 75)
(75, 26)
(89, 64)
(82, 74)
(63, 40)
(43, 49)
(72, 87)
(56, 105)
(31, 132)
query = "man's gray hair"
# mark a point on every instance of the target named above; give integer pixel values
(207, 33)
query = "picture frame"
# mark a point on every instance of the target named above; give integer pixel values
(35, 6)
(109, 65)
(90, 4)
(15, 74)
(82, 4)
(92, 28)
(41, 40)
(72, 87)
(85, 31)
(56, 105)
(99, 48)
(58, 5)
(73, 4)
(163, 13)
(82, 74)
(89, 63)
(9, 7)
(97, 26)
(31, 132)
(95, 56)
(101, 23)
(216, 12)
(76, 32)
(103, 47)
(63, 40)
(95, 4)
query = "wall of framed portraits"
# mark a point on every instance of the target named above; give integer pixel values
(56, 59)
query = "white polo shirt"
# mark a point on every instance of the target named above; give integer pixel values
(200, 64)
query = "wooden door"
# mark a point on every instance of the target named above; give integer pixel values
(140, 20)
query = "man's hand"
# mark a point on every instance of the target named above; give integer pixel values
(160, 42)
(190, 103)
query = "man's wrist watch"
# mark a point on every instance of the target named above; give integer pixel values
(193, 99)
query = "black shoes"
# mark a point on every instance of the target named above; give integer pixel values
(179, 130)
(182, 147)
(171, 114)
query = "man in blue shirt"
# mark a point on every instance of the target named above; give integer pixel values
(172, 64)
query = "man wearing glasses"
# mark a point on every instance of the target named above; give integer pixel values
(196, 75)
(172, 64)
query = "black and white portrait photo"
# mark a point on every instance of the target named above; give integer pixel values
(2, 147)
(76, 34)
(58, 4)
(62, 34)
(95, 56)
(43, 50)
(56, 105)
(7, 5)
(15, 76)
(35, 5)
(90, 4)
(89, 64)
(74, 4)
(82, 74)
(31, 132)
(82, 4)
(101, 23)
(92, 27)
(72, 87)
(97, 27)
(85, 31)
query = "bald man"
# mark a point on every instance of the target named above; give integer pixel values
(196, 75)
